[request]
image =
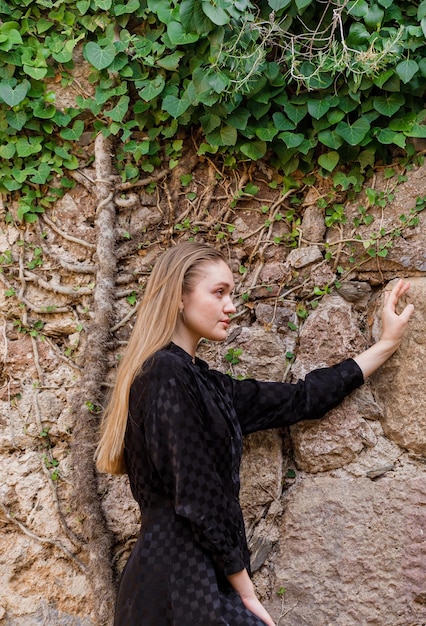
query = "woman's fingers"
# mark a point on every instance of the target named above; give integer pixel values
(399, 290)
(394, 324)
(406, 314)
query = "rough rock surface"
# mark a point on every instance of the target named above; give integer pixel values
(335, 509)
(353, 552)
(330, 334)
(400, 385)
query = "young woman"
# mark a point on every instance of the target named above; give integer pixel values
(176, 428)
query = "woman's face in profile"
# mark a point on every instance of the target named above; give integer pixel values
(206, 309)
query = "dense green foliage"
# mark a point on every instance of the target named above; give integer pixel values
(299, 82)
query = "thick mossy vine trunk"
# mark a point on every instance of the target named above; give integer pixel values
(90, 396)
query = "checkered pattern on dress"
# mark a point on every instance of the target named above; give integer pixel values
(183, 450)
(170, 581)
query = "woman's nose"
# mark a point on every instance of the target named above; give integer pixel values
(229, 307)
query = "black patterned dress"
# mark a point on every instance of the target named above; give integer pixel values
(183, 450)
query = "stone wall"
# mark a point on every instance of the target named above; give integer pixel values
(335, 510)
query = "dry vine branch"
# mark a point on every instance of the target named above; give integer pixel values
(37, 362)
(322, 49)
(82, 179)
(22, 281)
(6, 344)
(53, 542)
(98, 538)
(207, 195)
(33, 307)
(143, 182)
(56, 288)
(65, 235)
(53, 485)
(126, 318)
(60, 354)
(78, 268)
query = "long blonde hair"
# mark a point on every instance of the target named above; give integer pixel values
(174, 273)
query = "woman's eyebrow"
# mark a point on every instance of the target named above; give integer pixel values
(225, 284)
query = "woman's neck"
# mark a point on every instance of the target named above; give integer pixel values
(186, 345)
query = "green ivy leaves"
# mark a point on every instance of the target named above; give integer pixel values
(216, 11)
(99, 56)
(175, 106)
(329, 160)
(12, 96)
(150, 89)
(354, 133)
(160, 66)
(406, 70)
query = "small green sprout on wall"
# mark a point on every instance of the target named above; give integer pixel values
(233, 356)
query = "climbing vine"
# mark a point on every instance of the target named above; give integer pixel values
(215, 119)
(300, 83)
(64, 278)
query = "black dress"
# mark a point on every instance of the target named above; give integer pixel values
(183, 448)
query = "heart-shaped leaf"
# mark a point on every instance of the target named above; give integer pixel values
(7, 151)
(178, 36)
(13, 96)
(387, 136)
(354, 133)
(38, 73)
(254, 149)
(266, 134)
(99, 57)
(119, 111)
(329, 160)
(224, 136)
(174, 106)
(330, 139)
(74, 133)
(215, 13)
(417, 130)
(16, 119)
(277, 5)
(318, 108)
(388, 104)
(152, 89)
(406, 70)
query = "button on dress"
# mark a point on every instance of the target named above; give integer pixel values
(183, 447)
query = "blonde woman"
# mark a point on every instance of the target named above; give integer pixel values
(176, 427)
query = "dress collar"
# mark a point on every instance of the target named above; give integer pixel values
(199, 363)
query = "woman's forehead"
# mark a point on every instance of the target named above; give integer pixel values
(217, 271)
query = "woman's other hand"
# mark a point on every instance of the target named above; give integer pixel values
(243, 585)
(256, 607)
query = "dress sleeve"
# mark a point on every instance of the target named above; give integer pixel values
(178, 447)
(263, 405)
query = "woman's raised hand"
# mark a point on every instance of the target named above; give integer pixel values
(393, 329)
(394, 324)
